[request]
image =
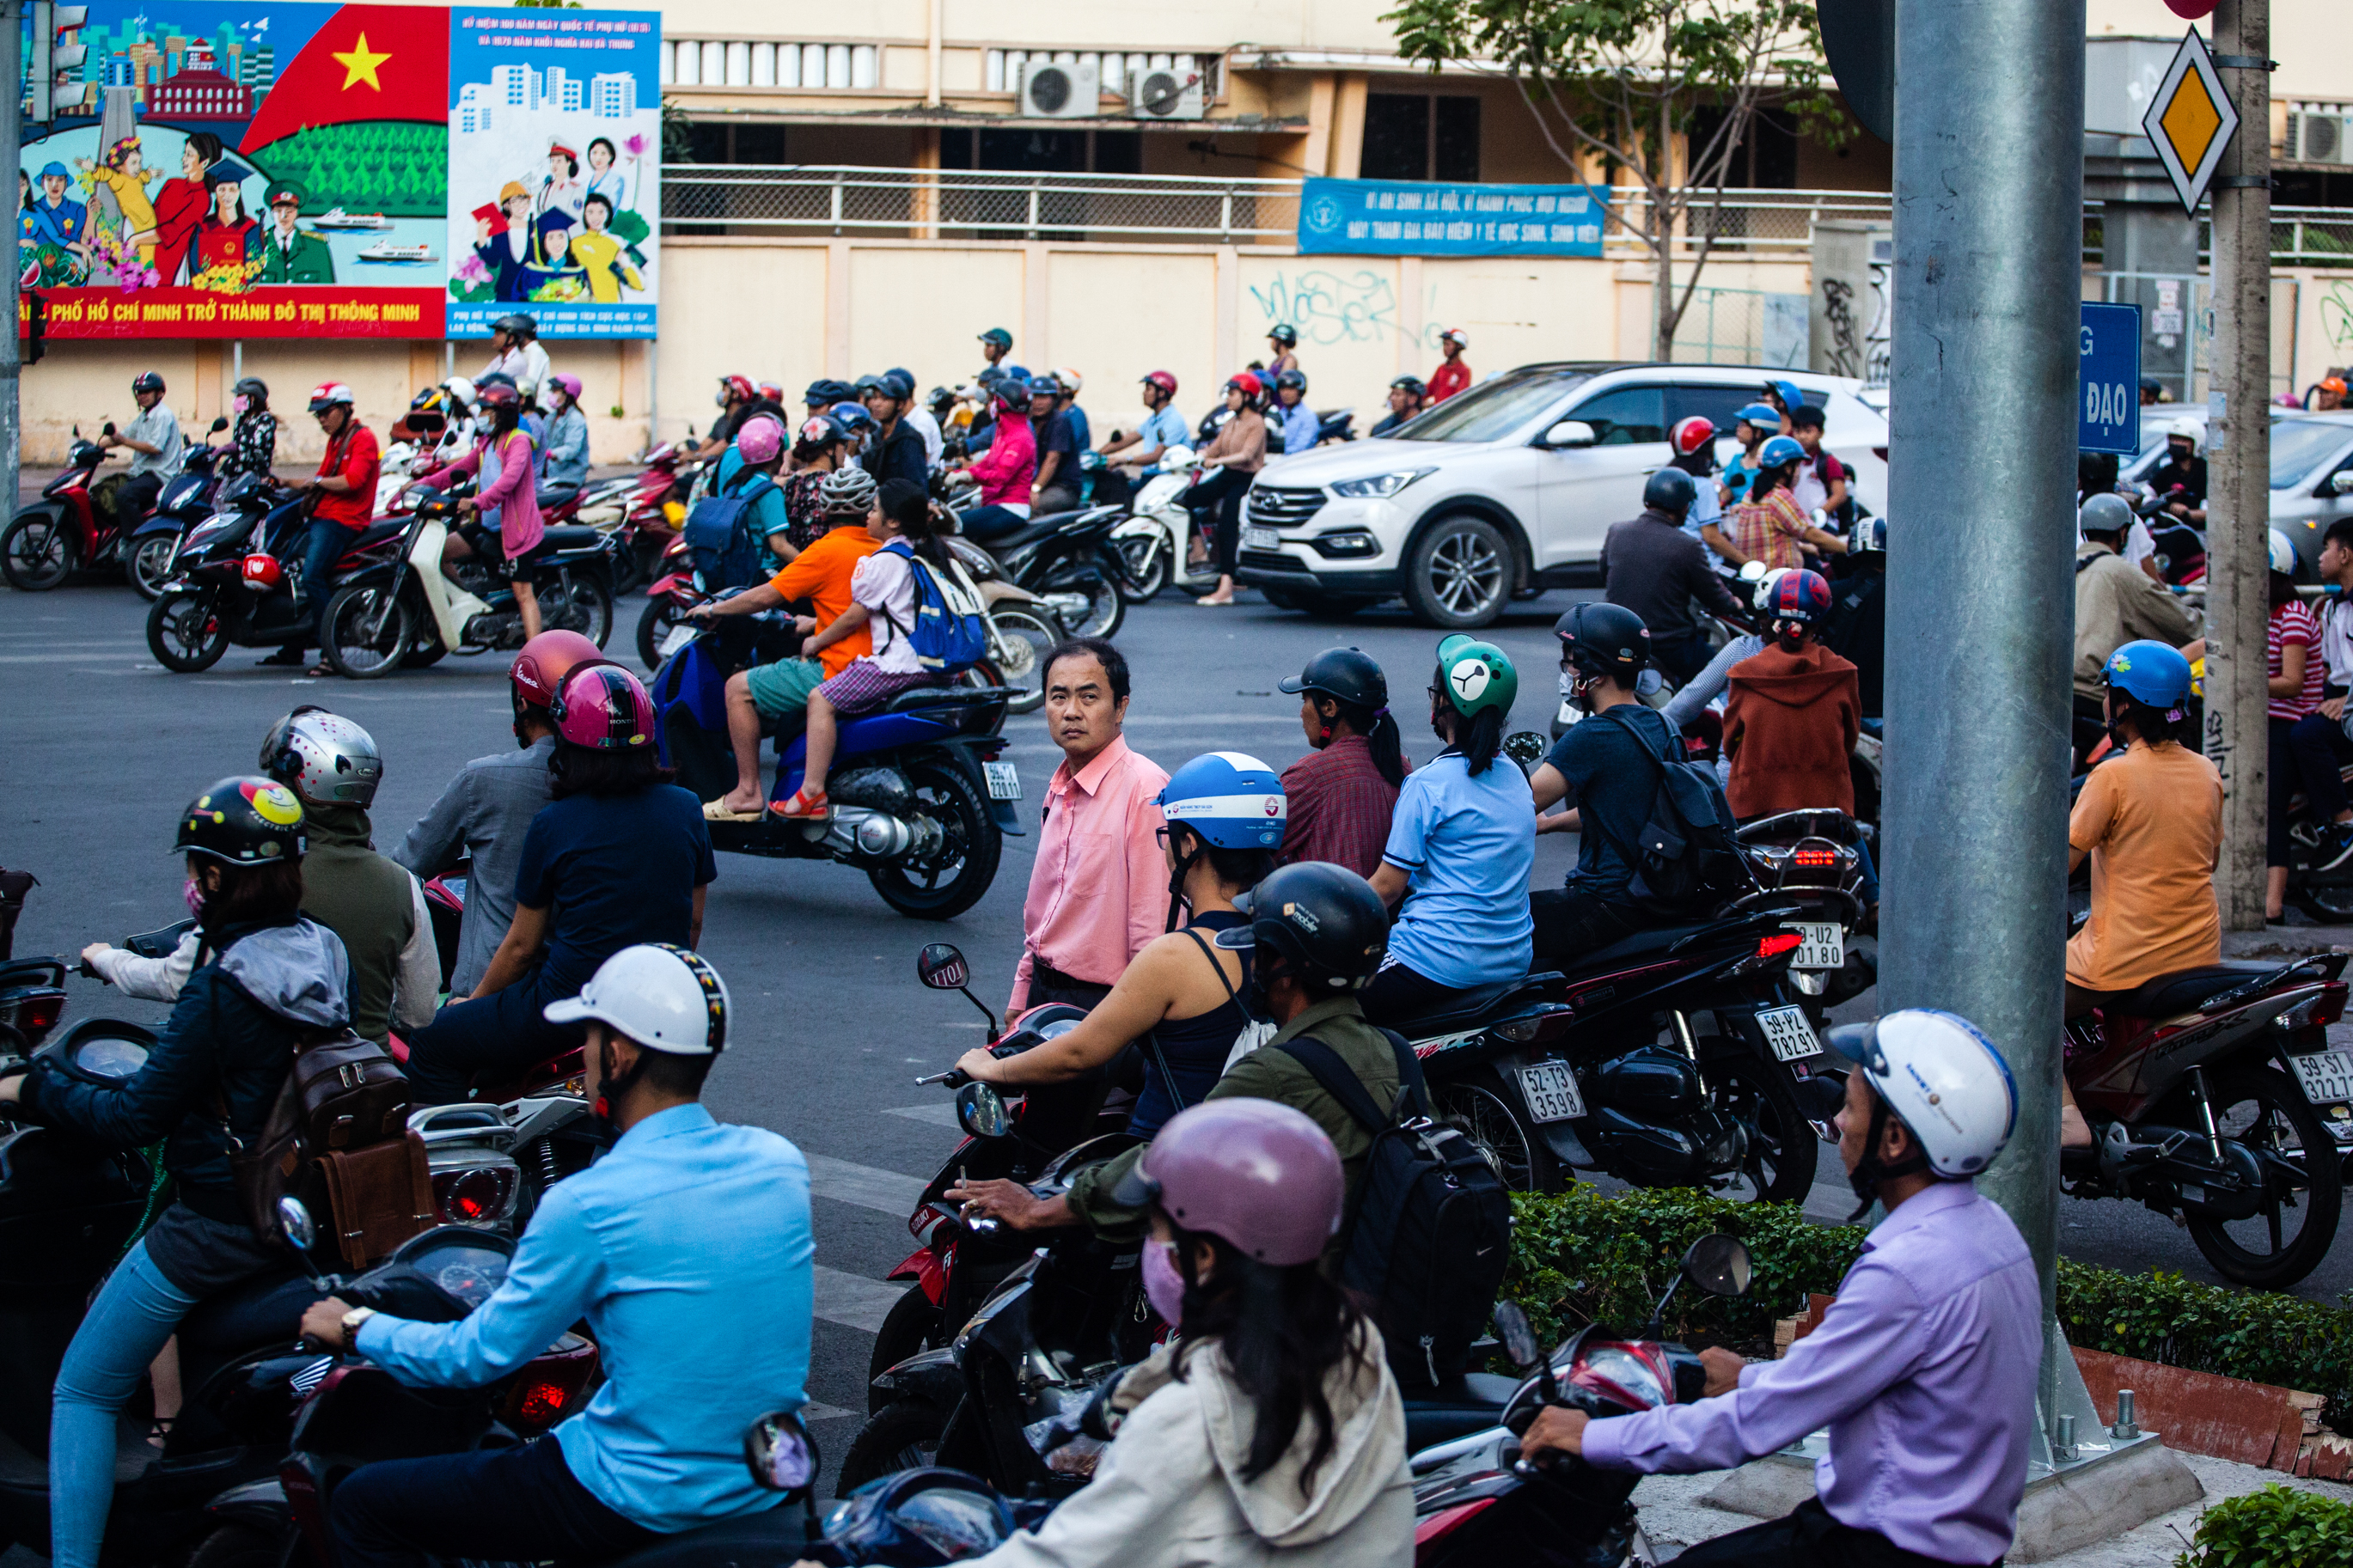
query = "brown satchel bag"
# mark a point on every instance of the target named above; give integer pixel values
(380, 1195)
(343, 1090)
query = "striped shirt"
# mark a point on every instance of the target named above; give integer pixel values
(1770, 531)
(2293, 622)
(1339, 808)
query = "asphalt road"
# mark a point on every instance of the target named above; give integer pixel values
(100, 748)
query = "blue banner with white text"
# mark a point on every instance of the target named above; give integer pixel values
(1396, 218)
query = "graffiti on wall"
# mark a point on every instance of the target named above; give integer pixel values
(1328, 308)
(2336, 316)
(1838, 311)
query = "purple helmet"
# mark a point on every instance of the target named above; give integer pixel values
(604, 708)
(1252, 1173)
(760, 439)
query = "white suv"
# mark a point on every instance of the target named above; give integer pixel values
(1507, 488)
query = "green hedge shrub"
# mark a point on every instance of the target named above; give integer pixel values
(2273, 1528)
(1582, 1257)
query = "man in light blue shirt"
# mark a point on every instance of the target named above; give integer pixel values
(688, 1248)
(1163, 428)
(1300, 427)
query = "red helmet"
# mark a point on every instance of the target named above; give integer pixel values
(264, 572)
(1691, 435)
(733, 388)
(1163, 380)
(499, 394)
(602, 708)
(1251, 386)
(539, 669)
(772, 391)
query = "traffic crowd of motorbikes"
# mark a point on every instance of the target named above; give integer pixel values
(406, 1235)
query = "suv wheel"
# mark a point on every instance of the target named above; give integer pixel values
(1460, 572)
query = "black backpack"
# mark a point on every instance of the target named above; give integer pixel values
(1687, 855)
(1427, 1239)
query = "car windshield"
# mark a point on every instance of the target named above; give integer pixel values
(1492, 410)
(2299, 444)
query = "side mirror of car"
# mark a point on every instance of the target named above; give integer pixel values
(1570, 433)
(2342, 482)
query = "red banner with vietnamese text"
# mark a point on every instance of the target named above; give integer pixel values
(305, 312)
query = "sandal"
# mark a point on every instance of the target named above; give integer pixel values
(321, 670)
(158, 1431)
(720, 810)
(803, 808)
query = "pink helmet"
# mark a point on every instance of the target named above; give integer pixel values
(604, 708)
(1253, 1172)
(760, 440)
(568, 382)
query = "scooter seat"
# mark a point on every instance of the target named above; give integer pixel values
(2185, 989)
(1467, 1009)
(1471, 1402)
(772, 1537)
(377, 533)
(1639, 945)
(564, 538)
(256, 1311)
(917, 697)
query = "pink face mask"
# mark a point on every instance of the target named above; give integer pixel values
(1163, 1285)
(194, 892)
(239, 404)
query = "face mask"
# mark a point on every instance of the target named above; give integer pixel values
(1568, 687)
(1163, 1285)
(237, 405)
(192, 891)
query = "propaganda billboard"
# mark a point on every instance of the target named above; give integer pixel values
(242, 171)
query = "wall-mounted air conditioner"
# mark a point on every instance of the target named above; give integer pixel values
(1049, 91)
(1167, 94)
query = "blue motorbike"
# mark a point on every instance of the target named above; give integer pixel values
(921, 802)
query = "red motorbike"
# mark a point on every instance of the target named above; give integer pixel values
(66, 530)
(671, 593)
(2213, 1097)
(644, 514)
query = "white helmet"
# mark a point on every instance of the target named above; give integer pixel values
(459, 388)
(1934, 1072)
(2282, 554)
(1763, 596)
(663, 997)
(324, 757)
(2191, 428)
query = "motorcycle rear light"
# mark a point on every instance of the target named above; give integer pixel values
(2323, 1007)
(1775, 946)
(553, 1386)
(1814, 858)
(482, 1194)
(33, 1015)
(1543, 1025)
(2332, 1004)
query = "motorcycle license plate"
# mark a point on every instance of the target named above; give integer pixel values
(1786, 1031)
(1822, 945)
(2327, 1075)
(1004, 780)
(1256, 538)
(678, 637)
(1550, 1089)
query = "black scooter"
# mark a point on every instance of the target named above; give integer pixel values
(184, 501)
(1068, 558)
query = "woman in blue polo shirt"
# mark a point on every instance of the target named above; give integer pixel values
(1461, 846)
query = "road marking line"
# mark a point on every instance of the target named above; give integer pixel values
(886, 1191)
(813, 1411)
(853, 1302)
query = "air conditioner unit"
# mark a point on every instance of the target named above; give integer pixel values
(1166, 94)
(2319, 139)
(1049, 91)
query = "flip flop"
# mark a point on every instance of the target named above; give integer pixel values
(801, 808)
(718, 811)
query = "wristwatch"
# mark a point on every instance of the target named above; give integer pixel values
(351, 1321)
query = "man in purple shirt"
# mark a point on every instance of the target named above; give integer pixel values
(1925, 1368)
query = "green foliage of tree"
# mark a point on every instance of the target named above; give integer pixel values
(387, 166)
(1630, 82)
(2273, 1528)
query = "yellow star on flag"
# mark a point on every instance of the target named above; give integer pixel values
(360, 66)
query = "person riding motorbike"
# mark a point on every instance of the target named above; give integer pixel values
(1792, 716)
(1767, 522)
(516, 353)
(154, 443)
(1163, 428)
(505, 501)
(1406, 394)
(1179, 1000)
(748, 469)
(1605, 768)
(2319, 739)
(342, 504)
(1694, 440)
(2114, 604)
(2179, 481)
(486, 811)
(1752, 428)
(1056, 488)
(1925, 1367)
(618, 855)
(1856, 627)
(688, 1232)
(1452, 375)
(372, 904)
(897, 451)
(1300, 427)
(1283, 338)
(1269, 1428)
(1652, 567)
(736, 397)
(564, 464)
(1460, 843)
(1344, 792)
(1005, 471)
(1229, 463)
(252, 446)
(266, 978)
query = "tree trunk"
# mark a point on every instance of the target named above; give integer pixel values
(1662, 344)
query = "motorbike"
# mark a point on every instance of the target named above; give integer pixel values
(1065, 560)
(231, 581)
(73, 527)
(1023, 627)
(406, 611)
(184, 501)
(921, 801)
(642, 514)
(1162, 540)
(1478, 1500)
(1331, 425)
(1810, 862)
(2214, 1096)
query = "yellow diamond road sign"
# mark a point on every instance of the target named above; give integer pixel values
(2190, 120)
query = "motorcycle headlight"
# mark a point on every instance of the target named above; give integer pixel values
(1379, 487)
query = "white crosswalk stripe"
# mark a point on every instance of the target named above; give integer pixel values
(855, 1302)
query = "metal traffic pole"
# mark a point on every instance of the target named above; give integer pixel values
(11, 69)
(1988, 262)
(2238, 464)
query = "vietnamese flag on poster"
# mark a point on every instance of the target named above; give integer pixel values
(366, 62)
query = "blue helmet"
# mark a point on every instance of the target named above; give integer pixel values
(852, 419)
(1868, 538)
(1230, 798)
(1781, 449)
(2152, 674)
(1786, 391)
(1764, 415)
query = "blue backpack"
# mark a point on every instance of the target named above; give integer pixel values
(950, 633)
(719, 532)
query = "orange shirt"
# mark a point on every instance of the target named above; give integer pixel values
(821, 575)
(2153, 822)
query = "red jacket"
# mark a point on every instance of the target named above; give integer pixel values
(1789, 727)
(354, 455)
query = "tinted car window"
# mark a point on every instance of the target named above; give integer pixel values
(1719, 405)
(1625, 415)
(1493, 410)
(2299, 445)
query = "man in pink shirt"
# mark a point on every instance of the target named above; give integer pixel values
(1099, 889)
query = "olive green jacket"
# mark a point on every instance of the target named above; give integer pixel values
(1270, 1073)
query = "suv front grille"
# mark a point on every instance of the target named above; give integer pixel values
(1281, 508)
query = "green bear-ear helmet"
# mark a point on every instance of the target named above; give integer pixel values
(1476, 675)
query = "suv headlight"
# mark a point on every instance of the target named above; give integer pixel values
(1379, 487)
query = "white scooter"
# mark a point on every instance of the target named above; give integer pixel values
(1160, 541)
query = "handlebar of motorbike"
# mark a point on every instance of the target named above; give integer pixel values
(953, 1078)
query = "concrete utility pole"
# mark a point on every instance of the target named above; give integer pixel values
(1989, 265)
(12, 71)
(2238, 462)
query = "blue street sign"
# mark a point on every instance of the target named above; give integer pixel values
(2109, 419)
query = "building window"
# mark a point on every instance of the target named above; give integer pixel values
(1420, 136)
(1766, 158)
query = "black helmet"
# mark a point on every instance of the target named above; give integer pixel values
(146, 381)
(1412, 383)
(243, 821)
(1601, 638)
(1343, 673)
(251, 387)
(518, 324)
(1286, 335)
(1326, 922)
(1670, 491)
(1297, 378)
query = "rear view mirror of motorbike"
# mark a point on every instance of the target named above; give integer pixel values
(780, 1453)
(1519, 1338)
(218, 425)
(1719, 1265)
(980, 1111)
(1523, 747)
(942, 967)
(295, 1220)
